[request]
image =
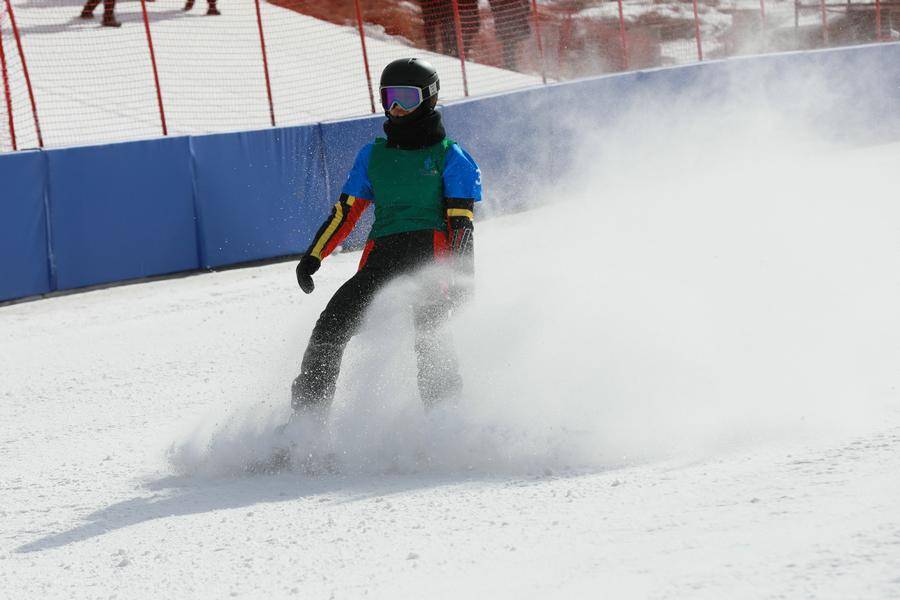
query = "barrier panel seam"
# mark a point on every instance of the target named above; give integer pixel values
(323, 158)
(202, 259)
(48, 224)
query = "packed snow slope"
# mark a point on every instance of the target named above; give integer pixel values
(681, 382)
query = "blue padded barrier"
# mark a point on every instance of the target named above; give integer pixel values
(603, 121)
(24, 264)
(131, 210)
(581, 113)
(855, 99)
(343, 140)
(847, 95)
(511, 137)
(121, 211)
(632, 106)
(259, 193)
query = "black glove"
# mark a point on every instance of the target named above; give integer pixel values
(462, 252)
(305, 268)
(461, 234)
(462, 247)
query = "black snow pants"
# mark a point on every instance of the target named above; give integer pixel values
(383, 259)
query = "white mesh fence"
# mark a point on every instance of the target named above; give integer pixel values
(110, 70)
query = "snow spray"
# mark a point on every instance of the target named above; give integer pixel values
(703, 275)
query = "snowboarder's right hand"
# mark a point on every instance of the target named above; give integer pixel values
(305, 268)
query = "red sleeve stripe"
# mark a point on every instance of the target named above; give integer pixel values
(353, 209)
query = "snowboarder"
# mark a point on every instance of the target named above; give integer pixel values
(211, 10)
(438, 17)
(109, 12)
(423, 187)
(511, 26)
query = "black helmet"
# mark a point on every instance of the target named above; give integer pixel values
(410, 72)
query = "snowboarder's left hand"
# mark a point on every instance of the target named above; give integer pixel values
(462, 249)
(305, 268)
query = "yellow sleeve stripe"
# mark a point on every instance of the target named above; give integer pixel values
(460, 212)
(326, 235)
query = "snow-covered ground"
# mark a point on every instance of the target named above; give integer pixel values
(688, 391)
(95, 84)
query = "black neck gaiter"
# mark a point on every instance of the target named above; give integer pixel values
(415, 135)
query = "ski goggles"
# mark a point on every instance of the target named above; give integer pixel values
(407, 97)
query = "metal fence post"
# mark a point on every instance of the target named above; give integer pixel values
(6, 94)
(159, 100)
(459, 45)
(623, 37)
(540, 43)
(265, 57)
(34, 113)
(877, 20)
(824, 22)
(362, 40)
(697, 32)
